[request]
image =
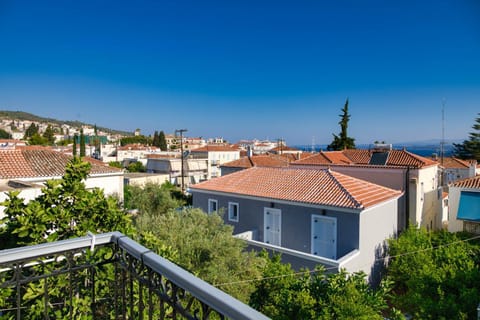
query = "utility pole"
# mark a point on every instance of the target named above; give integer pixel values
(280, 143)
(442, 144)
(181, 131)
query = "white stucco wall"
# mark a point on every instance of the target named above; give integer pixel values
(141, 180)
(426, 198)
(110, 184)
(377, 224)
(27, 194)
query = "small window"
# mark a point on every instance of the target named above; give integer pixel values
(212, 205)
(233, 211)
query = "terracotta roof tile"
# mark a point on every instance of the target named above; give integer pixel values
(328, 157)
(358, 156)
(452, 162)
(312, 186)
(471, 183)
(32, 162)
(362, 157)
(258, 161)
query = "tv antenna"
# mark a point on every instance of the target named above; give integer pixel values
(442, 143)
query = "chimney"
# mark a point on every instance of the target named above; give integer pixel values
(249, 151)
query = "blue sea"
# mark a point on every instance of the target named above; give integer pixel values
(424, 150)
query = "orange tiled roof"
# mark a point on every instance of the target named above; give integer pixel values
(405, 158)
(32, 162)
(363, 156)
(455, 163)
(358, 156)
(312, 186)
(258, 161)
(328, 157)
(471, 183)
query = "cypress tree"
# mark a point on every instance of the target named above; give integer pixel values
(156, 140)
(470, 149)
(162, 141)
(74, 151)
(343, 141)
(82, 143)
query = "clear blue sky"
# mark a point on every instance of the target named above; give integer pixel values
(246, 69)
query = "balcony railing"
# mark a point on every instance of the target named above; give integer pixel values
(106, 276)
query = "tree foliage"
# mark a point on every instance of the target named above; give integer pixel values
(65, 209)
(5, 135)
(162, 141)
(203, 244)
(49, 135)
(206, 247)
(284, 294)
(37, 140)
(115, 164)
(140, 139)
(470, 149)
(436, 274)
(31, 130)
(82, 143)
(153, 199)
(155, 140)
(342, 141)
(74, 147)
(136, 166)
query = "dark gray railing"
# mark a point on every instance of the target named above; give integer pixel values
(106, 276)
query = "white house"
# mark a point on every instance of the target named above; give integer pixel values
(216, 155)
(416, 176)
(28, 168)
(312, 216)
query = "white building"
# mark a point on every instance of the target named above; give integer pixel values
(216, 155)
(27, 169)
